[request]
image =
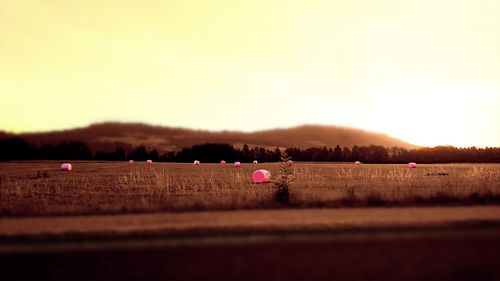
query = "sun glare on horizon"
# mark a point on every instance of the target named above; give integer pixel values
(426, 72)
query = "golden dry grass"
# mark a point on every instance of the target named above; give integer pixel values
(39, 188)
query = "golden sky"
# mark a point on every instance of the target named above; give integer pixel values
(425, 71)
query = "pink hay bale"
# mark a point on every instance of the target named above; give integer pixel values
(131, 162)
(357, 163)
(196, 162)
(412, 165)
(237, 164)
(222, 162)
(261, 176)
(255, 161)
(66, 167)
(149, 162)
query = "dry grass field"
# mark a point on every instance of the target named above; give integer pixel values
(338, 242)
(40, 188)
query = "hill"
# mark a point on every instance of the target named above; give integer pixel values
(108, 136)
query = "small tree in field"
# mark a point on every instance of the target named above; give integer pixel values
(283, 180)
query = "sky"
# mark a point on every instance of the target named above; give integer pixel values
(424, 71)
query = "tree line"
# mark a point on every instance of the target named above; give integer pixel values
(19, 149)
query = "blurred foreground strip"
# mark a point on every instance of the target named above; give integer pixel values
(246, 221)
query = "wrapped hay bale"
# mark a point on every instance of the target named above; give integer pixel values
(66, 167)
(261, 176)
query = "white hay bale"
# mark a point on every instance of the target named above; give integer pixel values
(196, 162)
(131, 162)
(66, 167)
(255, 161)
(237, 164)
(149, 162)
(357, 163)
(412, 165)
(222, 162)
(261, 176)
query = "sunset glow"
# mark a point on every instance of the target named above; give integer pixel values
(427, 72)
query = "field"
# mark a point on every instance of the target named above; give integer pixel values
(109, 220)
(40, 188)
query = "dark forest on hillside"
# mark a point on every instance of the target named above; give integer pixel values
(18, 149)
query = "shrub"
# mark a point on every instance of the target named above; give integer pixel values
(442, 198)
(350, 198)
(283, 181)
(374, 199)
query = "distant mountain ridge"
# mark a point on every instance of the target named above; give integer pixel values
(108, 136)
